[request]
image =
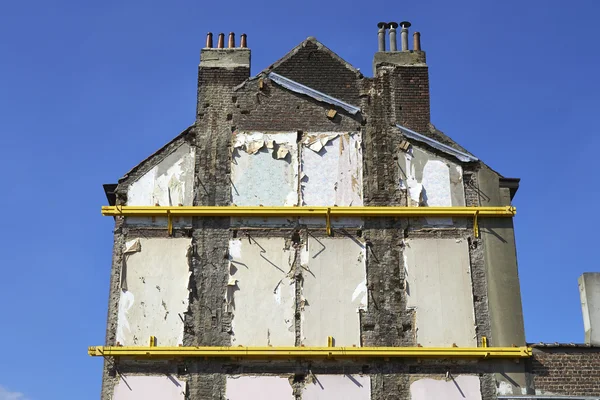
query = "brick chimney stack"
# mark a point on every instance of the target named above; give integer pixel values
(406, 74)
(220, 70)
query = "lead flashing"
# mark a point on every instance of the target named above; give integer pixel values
(315, 94)
(464, 157)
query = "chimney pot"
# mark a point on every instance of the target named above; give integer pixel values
(231, 43)
(243, 41)
(381, 35)
(417, 41)
(393, 45)
(404, 34)
(209, 42)
(221, 41)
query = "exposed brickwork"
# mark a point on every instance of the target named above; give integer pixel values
(317, 67)
(411, 97)
(566, 371)
(277, 109)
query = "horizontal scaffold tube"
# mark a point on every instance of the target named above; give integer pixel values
(258, 211)
(312, 352)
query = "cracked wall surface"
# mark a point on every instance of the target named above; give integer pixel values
(333, 290)
(154, 294)
(438, 287)
(261, 292)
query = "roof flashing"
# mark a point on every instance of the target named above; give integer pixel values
(315, 94)
(461, 156)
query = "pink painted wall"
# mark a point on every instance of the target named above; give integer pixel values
(153, 387)
(258, 387)
(333, 387)
(463, 387)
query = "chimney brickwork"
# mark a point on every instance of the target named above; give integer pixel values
(409, 83)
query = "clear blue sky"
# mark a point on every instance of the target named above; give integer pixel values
(89, 89)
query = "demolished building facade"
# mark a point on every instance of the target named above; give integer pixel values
(308, 132)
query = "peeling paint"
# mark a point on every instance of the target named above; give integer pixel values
(431, 181)
(504, 388)
(262, 300)
(332, 170)
(169, 183)
(156, 295)
(436, 189)
(333, 287)
(261, 175)
(149, 387)
(347, 387)
(439, 289)
(462, 387)
(360, 294)
(258, 387)
(132, 246)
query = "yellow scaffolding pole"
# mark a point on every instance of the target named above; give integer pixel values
(312, 352)
(325, 212)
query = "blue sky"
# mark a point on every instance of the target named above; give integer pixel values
(89, 89)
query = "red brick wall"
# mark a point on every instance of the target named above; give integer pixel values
(567, 371)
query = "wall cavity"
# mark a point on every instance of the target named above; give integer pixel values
(154, 291)
(462, 387)
(261, 292)
(264, 169)
(334, 289)
(258, 387)
(439, 288)
(150, 387)
(347, 387)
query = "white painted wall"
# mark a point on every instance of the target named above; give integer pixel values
(431, 181)
(438, 277)
(334, 289)
(264, 169)
(332, 169)
(149, 387)
(346, 387)
(169, 183)
(261, 292)
(155, 294)
(462, 387)
(258, 387)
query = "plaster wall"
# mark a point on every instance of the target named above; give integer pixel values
(149, 387)
(431, 181)
(264, 169)
(329, 387)
(258, 387)
(439, 288)
(169, 183)
(462, 387)
(154, 291)
(334, 289)
(332, 169)
(261, 292)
